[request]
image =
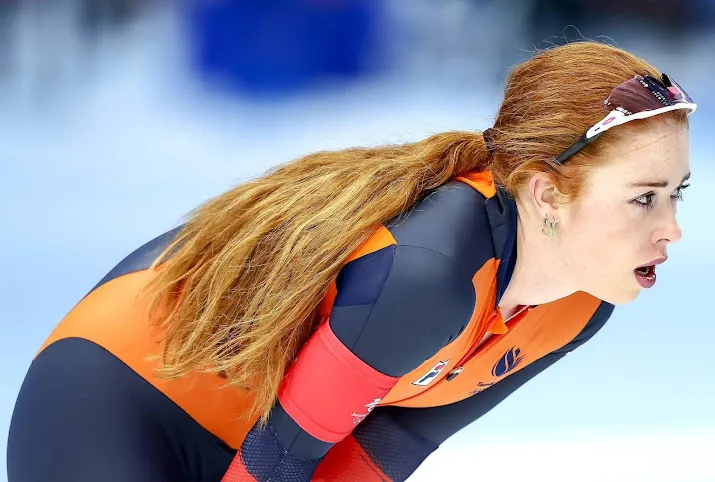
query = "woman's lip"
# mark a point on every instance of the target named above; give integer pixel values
(646, 281)
(655, 262)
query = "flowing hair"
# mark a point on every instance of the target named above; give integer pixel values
(237, 292)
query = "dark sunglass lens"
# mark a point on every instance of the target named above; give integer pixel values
(637, 95)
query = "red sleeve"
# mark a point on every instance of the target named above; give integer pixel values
(379, 450)
(329, 390)
(348, 462)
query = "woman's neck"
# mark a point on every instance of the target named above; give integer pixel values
(540, 272)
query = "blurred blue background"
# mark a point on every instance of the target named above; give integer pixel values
(119, 116)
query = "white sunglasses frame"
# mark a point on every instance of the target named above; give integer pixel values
(617, 117)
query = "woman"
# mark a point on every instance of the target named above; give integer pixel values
(340, 317)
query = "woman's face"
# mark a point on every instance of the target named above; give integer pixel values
(626, 216)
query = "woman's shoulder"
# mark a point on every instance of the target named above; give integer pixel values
(452, 221)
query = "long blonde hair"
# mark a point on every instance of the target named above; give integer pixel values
(244, 277)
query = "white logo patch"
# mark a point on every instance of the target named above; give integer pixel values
(432, 374)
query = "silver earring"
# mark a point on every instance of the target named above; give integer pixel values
(549, 226)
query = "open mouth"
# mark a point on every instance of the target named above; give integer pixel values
(646, 271)
(645, 275)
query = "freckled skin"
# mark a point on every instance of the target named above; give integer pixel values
(607, 232)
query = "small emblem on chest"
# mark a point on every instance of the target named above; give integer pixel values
(509, 361)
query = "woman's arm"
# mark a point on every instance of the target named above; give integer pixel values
(393, 441)
(395, 308)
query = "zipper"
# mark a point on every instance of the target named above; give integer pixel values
(477, 347)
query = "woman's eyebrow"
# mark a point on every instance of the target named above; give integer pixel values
(660, 184)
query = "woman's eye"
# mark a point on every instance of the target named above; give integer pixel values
(645, 201)
(678, 194)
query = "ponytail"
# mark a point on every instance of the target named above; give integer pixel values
(244, 277)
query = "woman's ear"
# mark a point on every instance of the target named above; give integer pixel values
(543, 195)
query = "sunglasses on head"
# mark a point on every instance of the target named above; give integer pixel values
(636, 98)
